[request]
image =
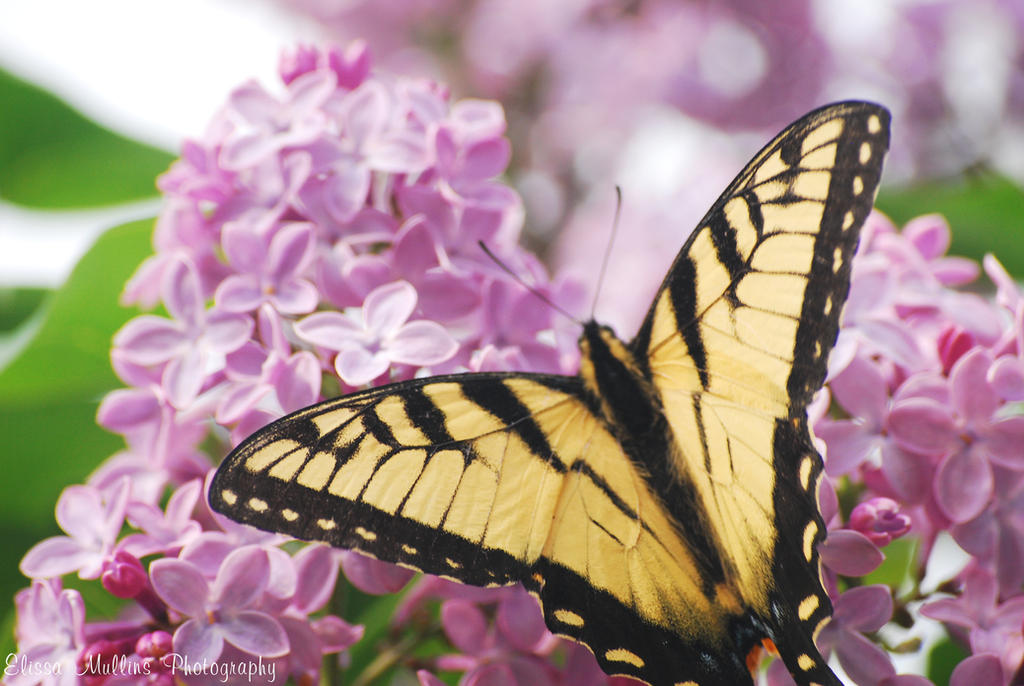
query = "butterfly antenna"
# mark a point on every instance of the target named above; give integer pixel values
(608, 249)
(508, 270)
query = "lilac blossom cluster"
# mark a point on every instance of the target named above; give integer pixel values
(571, 72)
(320, 238)
(324, 237)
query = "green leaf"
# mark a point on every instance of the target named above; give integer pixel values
(53, 157)
(895, 570)
(17, 305)
(50, 391)
(7, 622)
(983, 211)
(943, 658)
(374, 613)
(70, 354)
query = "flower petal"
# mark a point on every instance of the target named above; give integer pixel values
(486, 159)
(226, 332)
(300, 385)
(181, 585)
(56, 556)
(1004, 440)
(242, 577)
(80, 513)
(850, 553)
(149, 339)
(198, 642)
(346, 191)
(849, 445)
(978, 670)
(328, 329)
(1007, 377)
(465, 625)
(521, 620)
(245, 247)
(296, 296)
(922, 425)
(861, 390)
(964, 484)
(239, 293)
(316, 566)
(971, 395)
(421, 343)
(128, 409)
(290, 250)
(182, 294)
(255, 632)
(358, 367)
(336, 634)
(863, 661)
(865, 608)
(183, 377)
(373, 576)
(387, 307)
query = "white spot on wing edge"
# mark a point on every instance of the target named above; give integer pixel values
(623, 655)
(865, 152)
(807, 607)
(810, 532)
(568, 617)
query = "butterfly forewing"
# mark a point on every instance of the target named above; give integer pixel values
(737, 343)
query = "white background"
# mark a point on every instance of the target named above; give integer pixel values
(154, 70)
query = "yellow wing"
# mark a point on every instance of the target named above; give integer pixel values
(736, 345)
(491, 479)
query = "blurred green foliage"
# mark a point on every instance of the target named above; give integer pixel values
(985, 212)
(53, 157)
(49, 393)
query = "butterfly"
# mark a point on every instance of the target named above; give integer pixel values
(662, 504)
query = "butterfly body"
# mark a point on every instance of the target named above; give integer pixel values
(662, 504)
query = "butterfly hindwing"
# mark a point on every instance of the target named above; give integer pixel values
(491, 479)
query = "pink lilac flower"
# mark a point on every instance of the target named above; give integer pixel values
(92, 519)
(880, 519)
(268, 376)
(381, 336)
(50, 631)
(266, 124)
(996, 536)
(965, 432)
(858, 611)
(164, 531)
(269, 269)
(189, 342)
(511, 651)
(222, 612)
(993, 626)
